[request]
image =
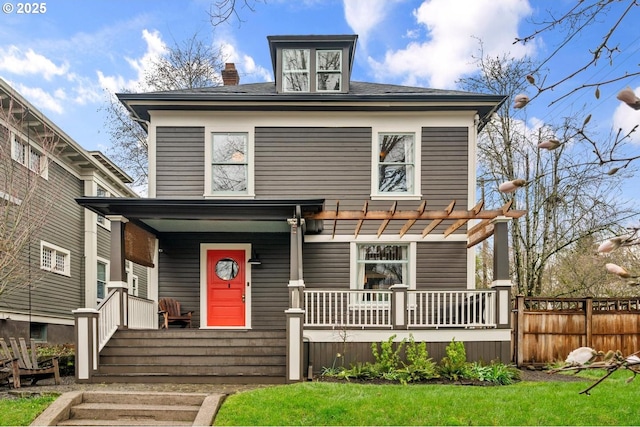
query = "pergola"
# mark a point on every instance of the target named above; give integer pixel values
(476, 234)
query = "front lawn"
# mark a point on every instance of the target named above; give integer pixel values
(526, 403)
(21, 412)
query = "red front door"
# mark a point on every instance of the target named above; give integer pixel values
(226, 287)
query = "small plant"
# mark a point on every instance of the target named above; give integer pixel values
(496, 373)
(419, 366)
(387, 359)
(454, 365)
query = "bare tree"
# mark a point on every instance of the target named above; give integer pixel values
(566, 198)
(187, 65)
(25, 199)
(223, 10)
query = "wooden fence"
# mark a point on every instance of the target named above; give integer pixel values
(547, 329)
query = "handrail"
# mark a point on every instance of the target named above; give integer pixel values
(452, 309)
(141, 313)
(108, 318)
(354, 308)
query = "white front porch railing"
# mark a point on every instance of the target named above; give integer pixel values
(424, 309)
(141, 313)
(109, 318)
(332, 308)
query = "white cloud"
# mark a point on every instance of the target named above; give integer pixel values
(245, 64)
(625, 118)
(364, 16)
(454, 29)
(155, 48)
(42, 99)
(15, 61)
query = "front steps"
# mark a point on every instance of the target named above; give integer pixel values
(194, 356)
(103, 408)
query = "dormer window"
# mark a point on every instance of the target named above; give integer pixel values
(312, 64)
(328, 70)
(296, 70)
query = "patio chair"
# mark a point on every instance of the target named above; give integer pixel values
(25, 363)
(171, 312)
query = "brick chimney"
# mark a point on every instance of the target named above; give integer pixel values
(230, 75)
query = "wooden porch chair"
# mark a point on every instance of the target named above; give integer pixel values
(25, 363)
(171, 313)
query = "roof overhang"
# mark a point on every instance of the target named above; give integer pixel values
(204, 215)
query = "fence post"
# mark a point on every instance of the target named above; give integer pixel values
(86, 326)
(520, 330)
(399, 306)
(588, 317)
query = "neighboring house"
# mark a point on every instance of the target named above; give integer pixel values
(332, 211)
(67, 260)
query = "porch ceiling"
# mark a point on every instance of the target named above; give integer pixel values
(204, 215)
(457, 218)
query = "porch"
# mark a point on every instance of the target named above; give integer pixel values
(302, 321)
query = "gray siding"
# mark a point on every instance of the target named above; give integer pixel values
(53, 294)
(445, 162)
(440, 265)
(180, 162)
(103, 243)
(179, 273)
(143, 287)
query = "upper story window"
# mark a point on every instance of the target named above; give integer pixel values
(28, 156)
(101, 192)
(55, 259)
(295, 70)
(302, 67)
(396, 164)
(229, 163)
(328, 70)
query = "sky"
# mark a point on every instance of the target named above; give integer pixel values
(72, 55)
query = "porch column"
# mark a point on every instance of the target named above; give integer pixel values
(296, 280)
(295, 349)
(399, 306)
(117, 267)
(86, 326)
(501, 278)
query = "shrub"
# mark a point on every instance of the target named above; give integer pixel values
(496, 372)
(419, 366)
(454, 365)
(65, 354)
(387, 359)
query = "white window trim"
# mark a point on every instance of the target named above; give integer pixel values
(417, 166)
(107, 269)
(132, 279)
(56, 249)
(28, 148)
(208, 160)
(301, 71)
(411, 258)
(338, 71)
(106, 224)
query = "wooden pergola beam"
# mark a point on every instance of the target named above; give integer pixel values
(335, 220)
(386, 221)
(407, 215)
(361, 221)
(410, 222)
(429, 228)
(459, 223)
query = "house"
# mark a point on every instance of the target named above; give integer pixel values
(62, 261)
(313, 215)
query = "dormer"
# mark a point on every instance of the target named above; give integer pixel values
(319, 64)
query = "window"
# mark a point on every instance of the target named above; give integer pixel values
(396, 168)
(132, 279)
(101, 282)
(55, 259)
(38, 331)
(28, 156)
(101, 192)
(381, 266)
(230, 163)
(295, 70)
(328, 70)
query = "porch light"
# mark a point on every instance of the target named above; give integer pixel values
(255, 259)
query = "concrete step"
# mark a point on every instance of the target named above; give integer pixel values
(104, 408)
(131, 411)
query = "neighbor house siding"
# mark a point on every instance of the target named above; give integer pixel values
(104, 243)
(52, 294)
(180, 162)
(179, 273)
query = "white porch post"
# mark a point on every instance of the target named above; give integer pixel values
(86, 325)
(295, 314)
(399, 306)
(501, 278)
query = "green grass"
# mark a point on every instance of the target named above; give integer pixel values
(21, 412)
(526, 403)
